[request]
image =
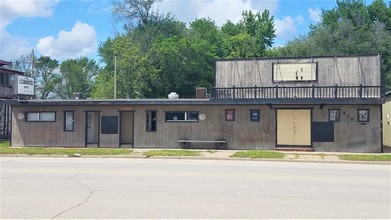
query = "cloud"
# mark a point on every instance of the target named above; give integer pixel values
(12, 47)
(80, 41)
(13, 9)
(218, 10)
(286, 27)
(315, 14)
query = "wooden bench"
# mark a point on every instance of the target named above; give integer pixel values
(219, 144)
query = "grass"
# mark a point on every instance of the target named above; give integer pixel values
(154, 153)
(321, 156)
(365, 157)
(4, 143)
(258, 154)
(5, 149)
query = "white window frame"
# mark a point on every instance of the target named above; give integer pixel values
(39, 117)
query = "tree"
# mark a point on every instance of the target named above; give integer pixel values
(206, 29)
(78, 75)
(135, 75)
(47, 77)
(350, 28)
(165, 27)
(251, 37)
(182, 64)
(135, 12)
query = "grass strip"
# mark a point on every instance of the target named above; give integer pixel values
(258, 154)
(365, 157)
(4, 143)
(64, 151)
(154, 153)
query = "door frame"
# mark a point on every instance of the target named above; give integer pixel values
(86, 127)
(120, 127)
(276, 130)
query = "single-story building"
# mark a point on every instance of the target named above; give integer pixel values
(325, 103)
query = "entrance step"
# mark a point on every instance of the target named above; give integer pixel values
(302, 149)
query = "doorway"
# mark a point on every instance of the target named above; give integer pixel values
(294, 127)
(126, 138)
(92, 128)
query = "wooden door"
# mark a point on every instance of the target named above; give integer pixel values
(293, 127)
(126, 129)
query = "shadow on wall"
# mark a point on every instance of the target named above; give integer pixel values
(386, 149)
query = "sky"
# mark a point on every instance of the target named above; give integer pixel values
(64, 29)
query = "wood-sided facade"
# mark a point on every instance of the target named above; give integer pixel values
(387, 122)
(316, 106)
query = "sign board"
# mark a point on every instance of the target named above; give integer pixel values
(24, 85)
(294, 71)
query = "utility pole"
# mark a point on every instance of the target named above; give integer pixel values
(32, 70)
(115, 77)
(32, 63)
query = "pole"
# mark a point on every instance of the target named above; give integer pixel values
(115, 77)
(32, 70)
(32, 63)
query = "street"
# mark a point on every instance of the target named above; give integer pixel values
(57, 188)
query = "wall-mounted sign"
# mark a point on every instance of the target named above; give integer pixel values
(24, 85)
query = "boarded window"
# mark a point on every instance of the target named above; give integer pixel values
(323, 132)
(294, 71)
(109, 125)
(41, 116)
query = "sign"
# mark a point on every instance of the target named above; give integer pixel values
(24, 85)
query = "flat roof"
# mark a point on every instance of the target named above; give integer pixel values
(298, 57)
(123, 102)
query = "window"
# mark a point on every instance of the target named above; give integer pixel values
(182, 116)
(334, 115)
(294, 71)
(41, 116)
(230, 115)
(363, 115)
(68, 120)
(255, 115)
(151, 121)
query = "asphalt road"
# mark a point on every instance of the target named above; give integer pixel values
(57, 188)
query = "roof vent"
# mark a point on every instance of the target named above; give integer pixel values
(173, 95)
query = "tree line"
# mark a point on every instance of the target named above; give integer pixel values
(156, 54)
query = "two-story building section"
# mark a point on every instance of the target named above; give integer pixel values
(7, 76)
(323, 103)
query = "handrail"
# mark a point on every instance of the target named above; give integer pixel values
(302, 92)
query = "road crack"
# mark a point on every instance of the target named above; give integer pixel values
(91, 192)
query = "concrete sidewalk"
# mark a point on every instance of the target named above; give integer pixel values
(325, 157)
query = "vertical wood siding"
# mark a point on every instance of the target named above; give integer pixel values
(350, 135)
(342, 71)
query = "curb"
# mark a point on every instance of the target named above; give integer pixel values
(200, 158)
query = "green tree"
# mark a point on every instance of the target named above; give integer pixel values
(182, 64)
(135, 75)
(78, 75)
(135, 12)
(350, 28)
(206, 29)
(251, 37)
(47, 77)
